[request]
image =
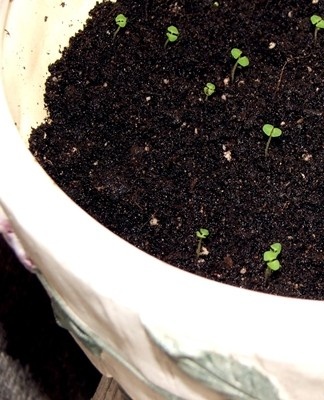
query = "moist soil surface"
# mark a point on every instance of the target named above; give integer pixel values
(133, 139)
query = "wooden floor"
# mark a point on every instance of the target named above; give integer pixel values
(108, 389)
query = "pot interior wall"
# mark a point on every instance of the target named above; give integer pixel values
(35, 33)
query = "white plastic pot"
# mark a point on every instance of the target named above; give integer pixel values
(161, 332)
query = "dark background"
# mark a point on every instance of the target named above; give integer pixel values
(55, 364)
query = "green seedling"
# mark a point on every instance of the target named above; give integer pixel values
(270, 131)
(318, 22)
(270, 258)
(172, 34)
(201, 235)
(121, 22)
(209, 89)
(241, 61)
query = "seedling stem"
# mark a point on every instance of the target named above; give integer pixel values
(209, 89)
(172, 34)
(270, 131)
(241, 61)
(270, 258)
(201, 234)
(121, 22)
(318, 22)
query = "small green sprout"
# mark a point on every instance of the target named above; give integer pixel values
(201, 234)
(270, 258)
(209, 89)
(270, 131)
(121, 22)
(241, 61)
(318, 22)
(172, 34)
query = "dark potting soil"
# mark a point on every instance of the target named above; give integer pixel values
(132, 138)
